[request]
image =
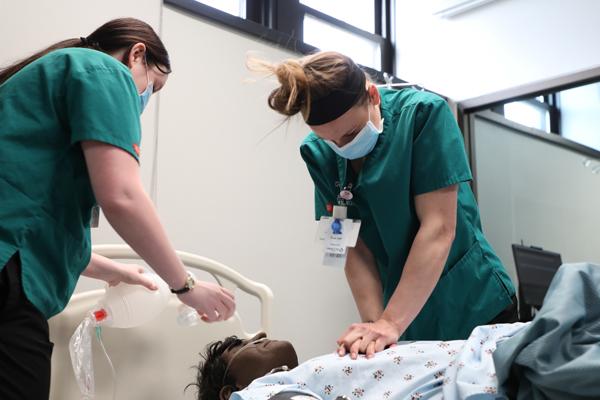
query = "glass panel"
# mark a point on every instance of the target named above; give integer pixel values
(580, 115)
(360, 13)
(329, 37)
(528, 114)
(233, 7)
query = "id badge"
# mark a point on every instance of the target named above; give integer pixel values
(336, 235)
(335, 259)
(95, 218)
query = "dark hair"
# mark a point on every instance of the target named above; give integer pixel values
(211, 372)
(306, 78)
(121, 33)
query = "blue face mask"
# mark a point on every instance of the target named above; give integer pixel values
(145, 95)
(361, 145)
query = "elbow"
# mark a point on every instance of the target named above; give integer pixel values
(446, 234)
(442, 233)
(117, 200)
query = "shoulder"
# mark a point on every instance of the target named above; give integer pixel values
(87, 71)
(81, 61)
(311, 141)
(398, 101)
(314, 149)
(86, 68)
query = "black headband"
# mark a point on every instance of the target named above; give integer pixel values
(338, 101)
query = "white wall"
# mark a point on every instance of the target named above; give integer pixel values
(226, 194)
(222, 192)
(501, 45)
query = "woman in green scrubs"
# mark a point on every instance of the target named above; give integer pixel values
(422, 267)
(70, 139)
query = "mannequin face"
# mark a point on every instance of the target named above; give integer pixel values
(256, 357)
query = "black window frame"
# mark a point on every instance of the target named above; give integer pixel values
(550, 89)
(281, 22)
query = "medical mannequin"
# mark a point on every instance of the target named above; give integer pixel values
(259, 369)
(555, 356)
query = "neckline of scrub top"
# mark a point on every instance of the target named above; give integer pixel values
(342, 163)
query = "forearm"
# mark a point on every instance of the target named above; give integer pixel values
(422, 270)
(134, 218)
(97, 267)
(365, 284)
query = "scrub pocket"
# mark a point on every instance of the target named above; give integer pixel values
(468, 295)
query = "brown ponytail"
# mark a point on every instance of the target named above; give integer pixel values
(302, 80)
(114, 35)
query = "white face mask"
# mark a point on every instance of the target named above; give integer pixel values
(362, 144)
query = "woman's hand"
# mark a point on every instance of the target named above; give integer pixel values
(211, 301)
(368, 338)
(114, 272)
(131, 274)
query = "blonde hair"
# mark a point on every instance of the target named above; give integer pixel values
(304, 79)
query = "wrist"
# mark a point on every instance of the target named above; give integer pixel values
(188, 285)
(396, 323)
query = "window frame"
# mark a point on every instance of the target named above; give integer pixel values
(281, 22)
(550, 89)
(550, 105)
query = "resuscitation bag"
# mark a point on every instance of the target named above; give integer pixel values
(122, 306)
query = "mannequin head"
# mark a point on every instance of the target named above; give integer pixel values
(232, 364)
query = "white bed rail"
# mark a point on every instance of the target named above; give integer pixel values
(224, 275)
(153, 361)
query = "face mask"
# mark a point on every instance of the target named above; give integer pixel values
(361, 145)
(145, 95)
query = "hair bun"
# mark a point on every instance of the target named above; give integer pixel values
(292, 96)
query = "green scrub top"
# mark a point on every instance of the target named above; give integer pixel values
(46, 198)
(420, 150)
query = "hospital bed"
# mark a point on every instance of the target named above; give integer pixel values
(156, 360)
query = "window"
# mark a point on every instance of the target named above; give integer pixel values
(326, 36)
(359, 13)
(571, 113)
(352, 27)
(361, 29)
(580, 115)
(530, 113)
(233, 7)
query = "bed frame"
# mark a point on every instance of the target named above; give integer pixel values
(157, 359)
